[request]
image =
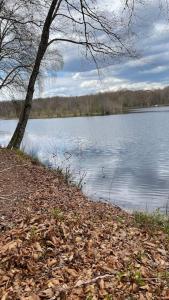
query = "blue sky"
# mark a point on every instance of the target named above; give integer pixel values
(148, 71)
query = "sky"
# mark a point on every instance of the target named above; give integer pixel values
(149, 70)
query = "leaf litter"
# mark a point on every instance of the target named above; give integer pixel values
(57, 244)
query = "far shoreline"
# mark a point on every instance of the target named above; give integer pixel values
(130, 110)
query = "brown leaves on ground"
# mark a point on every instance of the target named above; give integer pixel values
(56, 244)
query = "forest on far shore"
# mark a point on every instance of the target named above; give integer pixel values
(100, 104)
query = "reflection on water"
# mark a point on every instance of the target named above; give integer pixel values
(125, 158)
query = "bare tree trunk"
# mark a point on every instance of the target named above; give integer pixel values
(84, 25)
(17, 137)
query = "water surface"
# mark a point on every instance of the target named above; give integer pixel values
(122, 158)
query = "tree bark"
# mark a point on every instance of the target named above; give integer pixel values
(18, 135)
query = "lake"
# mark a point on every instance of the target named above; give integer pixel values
(123, 159)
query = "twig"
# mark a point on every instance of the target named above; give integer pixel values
(94, 280)
(81, 283)
(3, 197)
(12, 167)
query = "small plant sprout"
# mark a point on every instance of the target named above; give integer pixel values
(89, 297)
(140, 255)
(57, 214)
(108, 297)
(120, 219)
(33, 233)
(138, 278)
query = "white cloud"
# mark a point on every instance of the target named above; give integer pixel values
(161, 28)
(89, 84)
(149, 70)
(76, 76)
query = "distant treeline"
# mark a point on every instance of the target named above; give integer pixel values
(89, 105)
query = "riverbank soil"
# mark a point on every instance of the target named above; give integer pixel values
(56, 244)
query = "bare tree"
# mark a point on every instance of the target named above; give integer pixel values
(17, 44)
(79, 22)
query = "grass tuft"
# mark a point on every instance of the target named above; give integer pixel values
(57, 214)
(152, 221)
(29, 157)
